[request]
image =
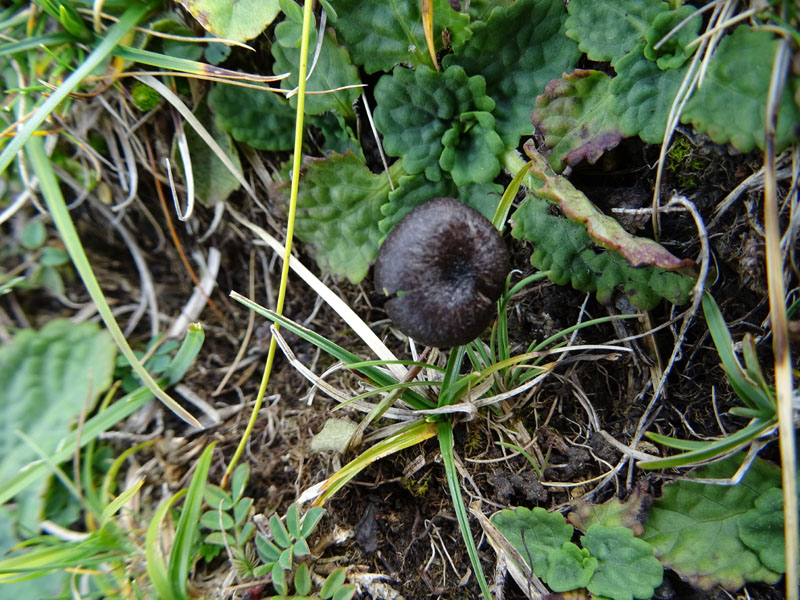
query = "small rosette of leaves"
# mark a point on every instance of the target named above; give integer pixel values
(380, 35)
(722, 535)
(517, 50)
(611, 562)
(439, 121)
(729, 106)
(258, 118)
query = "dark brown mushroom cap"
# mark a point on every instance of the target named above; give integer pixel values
(443, 267)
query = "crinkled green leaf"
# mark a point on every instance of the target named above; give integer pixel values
(613, 513)
(604, 230)
(471, 149)
(417, 109)
(47, 378)
(569, 568)
(241, 20)
(483, 197)
(381, 35)
(332, 71)
(574, 115)
(213, 182)
(730, 105)
(338, 210)
(672, 53)
(626, 567)
(606, 30)
(518, 50)
(411, 191)
(643, 95)
(565, 251)
(694, 527)
(258, 118)
(761, 529)
(534, 533)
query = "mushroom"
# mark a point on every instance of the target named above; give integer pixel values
(443, 267)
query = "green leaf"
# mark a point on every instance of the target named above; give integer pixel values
(333, 70)
(48, 377)
(518, 50)
(310, 520)
(483, 197)
(643, 94)
(214, 495)
(240, 21)
(574, 115)
(300, 548)
(569, 568)
(279, 579)
(694, 527)
(672, 53)
(302, 581)
(285, 559)
(333, 582)
(53, 257)
(345, 592)
(606, 30)
(761, 529)
(338, 210)
(279, 533)
(566, 252)
(211, 520)
(259, 118)
(33, 235)
(184, 358)
(292, 521)
(437, 120)
(380, 35)
(241, 475)
(626, 567)
(242, 510)
(339, 136)
(267, 551)
(730, 105)
(534, 533)
(220, 538)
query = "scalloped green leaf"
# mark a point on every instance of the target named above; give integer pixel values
(606, 30)
(212, 180)
(483, 197)
(338, 210)
(574, 115)
(613, 513)
(761, 529)
(569, 568)
(643, 94)
(674, 52)
(518, 49)
(437, 120)
(626, 567)
(381, 35)
(730, 105)
(339, 136)
(694, 527)
(241, 20)
(332, 71)
(47, 378)
(566, 252)
(536, 534)
(258, 118)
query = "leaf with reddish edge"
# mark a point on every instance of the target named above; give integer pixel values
(574, 115)
(604, 230)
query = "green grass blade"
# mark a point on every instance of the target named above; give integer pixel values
(445, 432)
(182, 556)
(129, 19)
(69, 235)
(115, 505)
(156, 568)
(184, 357)
(48, 39)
